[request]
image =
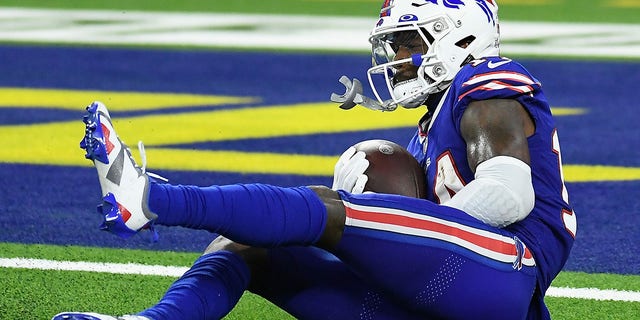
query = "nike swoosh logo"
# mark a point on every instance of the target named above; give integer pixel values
(493, 65)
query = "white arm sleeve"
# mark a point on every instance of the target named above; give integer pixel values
(501, 194)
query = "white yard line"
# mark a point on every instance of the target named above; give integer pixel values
(594, 294)
(100, 267)
(113, 27)
(175, 271)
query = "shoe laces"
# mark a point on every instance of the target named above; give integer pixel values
(143, 158)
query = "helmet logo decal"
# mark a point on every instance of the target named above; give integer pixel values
(385, 11)
(408, 17)
(454, 4)
(487, 11)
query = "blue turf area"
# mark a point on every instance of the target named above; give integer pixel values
(55, 205)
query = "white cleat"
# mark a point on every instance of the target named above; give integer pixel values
(125, 186)
(93, 316)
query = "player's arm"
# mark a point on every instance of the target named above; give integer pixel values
(497, 127)
(496, 134)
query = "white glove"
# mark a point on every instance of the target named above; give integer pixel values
(348, 174)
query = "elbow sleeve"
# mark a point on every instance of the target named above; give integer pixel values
(501, 193)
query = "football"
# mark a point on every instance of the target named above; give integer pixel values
(392, 169)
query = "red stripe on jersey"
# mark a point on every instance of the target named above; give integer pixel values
(498, 85)
(499, 75)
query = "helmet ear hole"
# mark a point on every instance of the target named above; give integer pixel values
(465, 42)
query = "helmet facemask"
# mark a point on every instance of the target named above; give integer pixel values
(430, 75)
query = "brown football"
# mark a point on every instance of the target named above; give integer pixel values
(392, 169)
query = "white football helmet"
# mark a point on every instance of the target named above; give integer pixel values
(452, 32)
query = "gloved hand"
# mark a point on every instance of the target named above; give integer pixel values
(348, 174)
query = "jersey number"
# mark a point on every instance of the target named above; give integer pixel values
(568, 216)
(448, 182)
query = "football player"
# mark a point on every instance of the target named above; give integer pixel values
(494, 231)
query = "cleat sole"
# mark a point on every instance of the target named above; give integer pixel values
(113, 220)
(93, 141)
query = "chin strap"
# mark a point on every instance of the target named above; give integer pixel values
(353, 96)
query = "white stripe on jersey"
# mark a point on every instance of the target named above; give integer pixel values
(498, 85)
(499, 75)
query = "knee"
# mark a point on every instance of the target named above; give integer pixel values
(336, 217)
(252, 256)
(222, 243)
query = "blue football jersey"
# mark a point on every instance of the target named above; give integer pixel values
(438, 145)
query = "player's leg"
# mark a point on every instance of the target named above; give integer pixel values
(436, 258)
(257, 214)
(307, 282)
(208, 290)
(262, 215)
(310, 283)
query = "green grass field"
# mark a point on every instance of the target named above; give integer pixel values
(37, 294)
(131, 293)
